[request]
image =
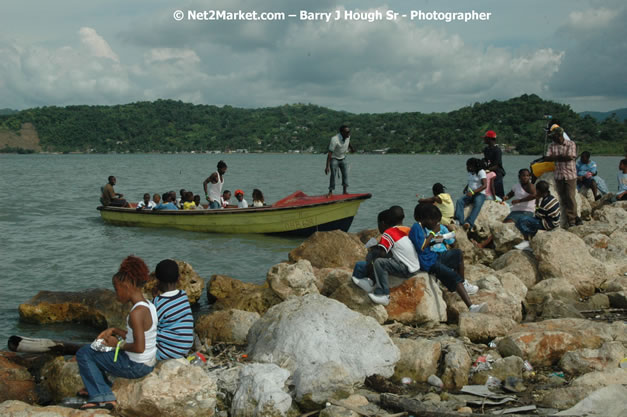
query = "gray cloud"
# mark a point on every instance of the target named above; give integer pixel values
(355, 66)
(595, 55)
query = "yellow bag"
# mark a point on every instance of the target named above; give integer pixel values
(540, 168)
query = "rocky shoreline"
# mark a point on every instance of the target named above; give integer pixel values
(308, 342)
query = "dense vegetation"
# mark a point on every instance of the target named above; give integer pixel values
(170, 126)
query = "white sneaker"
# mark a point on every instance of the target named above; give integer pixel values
(383, 299)
(477, 308)
(522, 245)
(365, 284)
(470, 288)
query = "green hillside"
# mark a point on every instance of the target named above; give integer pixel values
(169, 126)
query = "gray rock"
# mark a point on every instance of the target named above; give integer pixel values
(292, 280)
(557, 309)
(174, 388)
(598, 301)
(521, 263)
(419, 358)
(456, 366)
(261, 392)
(505, 236)
(226, 326)
(60, 376)
(556, 287)
(357, 299)
(482, 328)
(605, 402)
(564, 255)
(336, 411)
(416, 300)
(511, 366)
(309, 331)
(314, 386)
(583, 361)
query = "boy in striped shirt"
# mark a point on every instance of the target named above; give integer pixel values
(175, 329)
(547, 215)
(394, 254)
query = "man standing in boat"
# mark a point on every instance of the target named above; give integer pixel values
(215, 181)
(109, 197)
(336, 158)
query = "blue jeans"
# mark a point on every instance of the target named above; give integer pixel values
(214, 205)
(343, 167)
(476, 200)
(385, 266)
(529, 226)
(446, 268)
(92, 366)
(515, 215)
(359, 271)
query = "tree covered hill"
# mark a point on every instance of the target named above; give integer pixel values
(169, 126)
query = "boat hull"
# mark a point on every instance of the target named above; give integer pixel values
(302, 219)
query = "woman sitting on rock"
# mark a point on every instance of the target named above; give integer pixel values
(134, 349)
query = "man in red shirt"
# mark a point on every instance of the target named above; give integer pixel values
(564, 153)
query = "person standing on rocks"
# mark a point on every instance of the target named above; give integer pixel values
(336, 158)
(492, 156)
(215, 181)
(564, 153)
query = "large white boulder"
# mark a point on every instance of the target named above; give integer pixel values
(309, 331)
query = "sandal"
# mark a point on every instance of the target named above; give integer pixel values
(98, 406)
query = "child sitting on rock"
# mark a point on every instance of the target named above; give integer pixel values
(547, 215)
(441, 200)
(403, 261)
(132, 358)
(175, 328)
(448, 267)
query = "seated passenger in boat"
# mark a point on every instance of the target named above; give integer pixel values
(156, 199)
(180, 200)
(109, 197)
(224, 200)
(167, 202)
(197, 202)
(188, 201)
(258, 200)
(146, 203)
(241, 203)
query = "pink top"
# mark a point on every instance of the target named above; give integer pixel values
(489, 192)
(519, 193)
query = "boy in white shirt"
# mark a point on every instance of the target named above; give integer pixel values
(146, 203)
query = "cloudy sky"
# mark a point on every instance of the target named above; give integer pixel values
(118, 51)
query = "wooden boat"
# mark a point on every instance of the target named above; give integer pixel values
(296, 214)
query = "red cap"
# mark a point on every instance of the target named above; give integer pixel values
(490, 134)
(238, 191)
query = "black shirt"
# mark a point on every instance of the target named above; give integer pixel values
(492, 155)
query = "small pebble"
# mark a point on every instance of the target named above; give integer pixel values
(465, 410)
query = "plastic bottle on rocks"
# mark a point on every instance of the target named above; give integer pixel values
(197, 359)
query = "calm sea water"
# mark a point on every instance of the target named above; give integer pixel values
(53, 237)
